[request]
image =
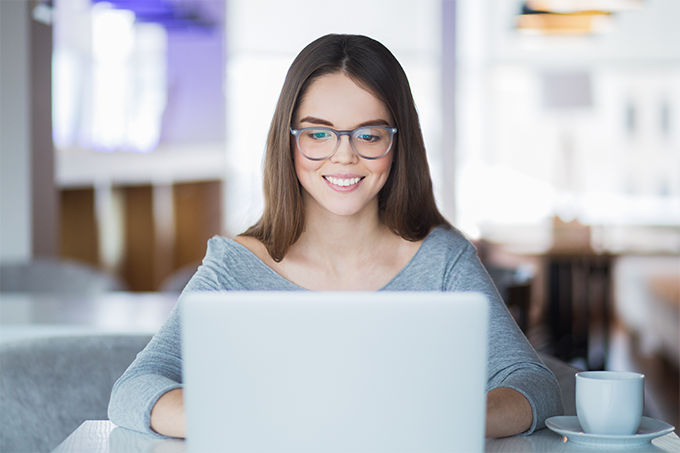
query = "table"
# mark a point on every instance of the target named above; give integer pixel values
(30, 315)
(102, 436)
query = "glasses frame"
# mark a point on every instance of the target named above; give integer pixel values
(296, 133)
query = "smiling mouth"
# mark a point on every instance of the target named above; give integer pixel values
(343, 182)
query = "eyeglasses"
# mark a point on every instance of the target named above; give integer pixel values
(368, 142)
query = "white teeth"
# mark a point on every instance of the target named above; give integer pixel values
(342, 182)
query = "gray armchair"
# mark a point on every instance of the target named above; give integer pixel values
(49, 386)
(60, 276)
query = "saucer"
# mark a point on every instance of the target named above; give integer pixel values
(570, 428)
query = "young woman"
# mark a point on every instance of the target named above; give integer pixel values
(348, 206)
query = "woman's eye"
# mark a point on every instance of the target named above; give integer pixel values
(368, 137)
(319, 135)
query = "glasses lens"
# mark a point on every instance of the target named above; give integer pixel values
(317, 143)
(371, 142)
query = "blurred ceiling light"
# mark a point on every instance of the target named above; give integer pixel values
(171, 14)
(571, 17)
(575, 6)
(564, 23)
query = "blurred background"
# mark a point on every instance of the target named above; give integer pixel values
(132, 131)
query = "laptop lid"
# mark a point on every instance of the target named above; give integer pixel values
(334, 371)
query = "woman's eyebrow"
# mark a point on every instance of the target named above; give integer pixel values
(376, 122)
(313, 120)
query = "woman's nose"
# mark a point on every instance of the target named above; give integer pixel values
(344, 154)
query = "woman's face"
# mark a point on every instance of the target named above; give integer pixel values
(344, 184)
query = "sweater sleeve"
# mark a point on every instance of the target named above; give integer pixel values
(512, 362)
(158, 367)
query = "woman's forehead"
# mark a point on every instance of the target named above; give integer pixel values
(338, 99)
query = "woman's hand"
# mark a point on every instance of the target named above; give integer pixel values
(167, 415)
(508, 413)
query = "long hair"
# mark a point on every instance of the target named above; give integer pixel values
(406, 202)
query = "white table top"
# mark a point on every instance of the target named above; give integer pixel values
(30, 315)
(102, 436)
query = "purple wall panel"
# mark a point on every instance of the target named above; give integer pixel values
(195, 109)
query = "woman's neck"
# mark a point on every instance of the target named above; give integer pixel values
(340, 237)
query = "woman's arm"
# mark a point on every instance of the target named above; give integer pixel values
(508, 413)
(167, 415)
(512, 362)
(157, 370)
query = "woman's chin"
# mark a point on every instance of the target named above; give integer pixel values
(347, 209)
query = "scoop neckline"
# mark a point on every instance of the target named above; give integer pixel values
(261, 263)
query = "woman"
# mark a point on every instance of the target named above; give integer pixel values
(348, 206)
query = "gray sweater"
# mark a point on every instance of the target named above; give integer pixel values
(446, 261)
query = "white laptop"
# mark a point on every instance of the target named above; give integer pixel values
(334, 371)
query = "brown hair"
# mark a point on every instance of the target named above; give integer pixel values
(406, 202)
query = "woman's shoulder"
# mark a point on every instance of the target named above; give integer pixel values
(448, 248)
(225, 255)
(221, 245)
(435, 262)
(447, 239)
(222, 259)
(255, 247)
(231, 264)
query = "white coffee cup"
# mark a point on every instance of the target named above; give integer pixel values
(609, 402)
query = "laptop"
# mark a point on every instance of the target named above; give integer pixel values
(334, 371)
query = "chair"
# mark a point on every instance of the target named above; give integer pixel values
(49, 386)
(57, 276)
